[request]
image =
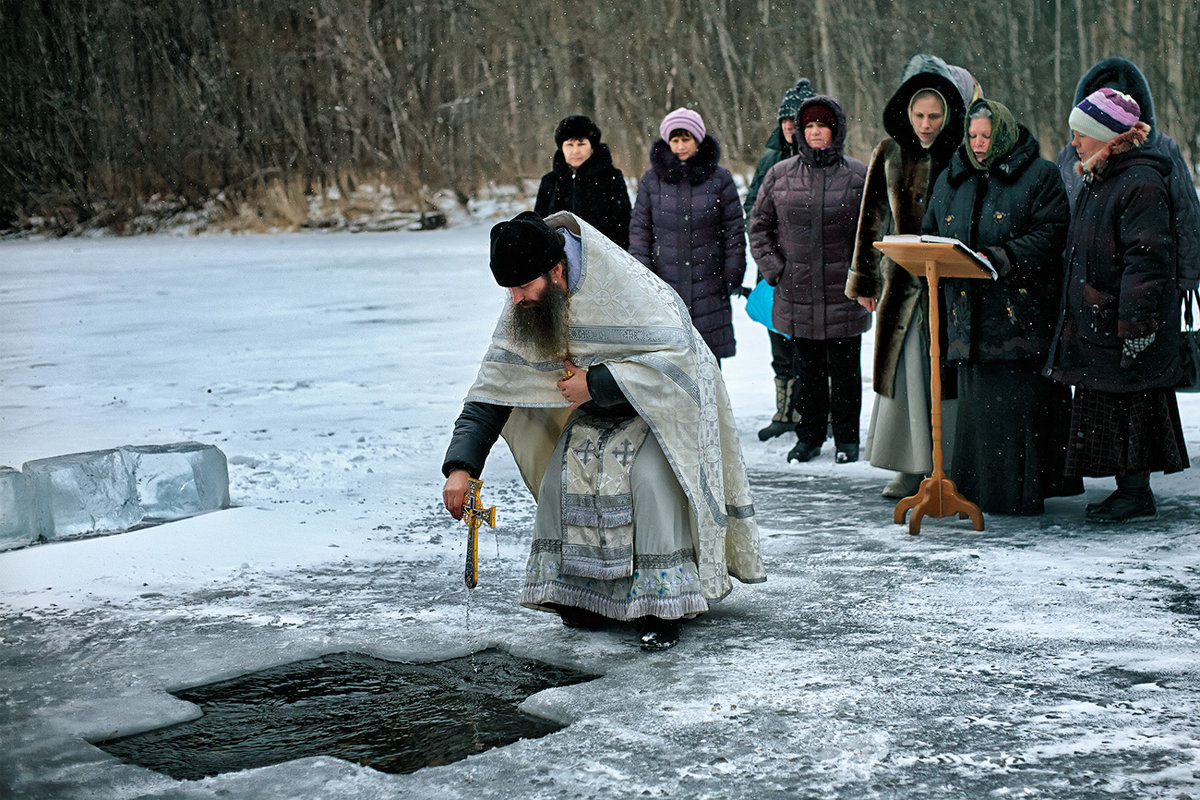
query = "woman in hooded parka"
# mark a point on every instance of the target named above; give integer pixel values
(802, 236)
(924, 122)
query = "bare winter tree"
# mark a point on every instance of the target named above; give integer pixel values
(111, 107)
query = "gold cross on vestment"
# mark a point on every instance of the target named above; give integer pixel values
(473, 514)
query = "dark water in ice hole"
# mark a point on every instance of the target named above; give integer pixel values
(395, 717)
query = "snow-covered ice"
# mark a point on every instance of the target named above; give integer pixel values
(1038, 658)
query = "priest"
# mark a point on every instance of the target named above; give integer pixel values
(618, 418)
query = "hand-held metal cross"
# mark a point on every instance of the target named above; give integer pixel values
(473, 514)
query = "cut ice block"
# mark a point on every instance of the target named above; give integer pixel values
(178, 480)
(82, 493)
(16, 508)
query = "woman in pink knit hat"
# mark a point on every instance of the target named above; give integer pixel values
(687, 225)
(1117, 341)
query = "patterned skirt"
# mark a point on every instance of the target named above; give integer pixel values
(1125, 433)
(664, 580)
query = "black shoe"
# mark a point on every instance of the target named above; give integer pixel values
(803, 452)
(1123, 505)
(581, 618)
(1092, 508)
(775, 428)
(659, 633)
(846, 453)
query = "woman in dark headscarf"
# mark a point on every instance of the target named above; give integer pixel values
(1000, 198)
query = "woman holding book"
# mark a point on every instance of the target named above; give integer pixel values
(1001, 199)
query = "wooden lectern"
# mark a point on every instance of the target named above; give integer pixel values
(938, 496)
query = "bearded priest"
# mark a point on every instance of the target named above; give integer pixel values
(618, 418)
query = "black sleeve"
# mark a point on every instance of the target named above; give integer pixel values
(544, 205)
(475, 431)
(1187, 217)
(607, 397)
(620, 210)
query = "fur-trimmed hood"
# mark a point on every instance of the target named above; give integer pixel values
(1096, 167)
(696, 170)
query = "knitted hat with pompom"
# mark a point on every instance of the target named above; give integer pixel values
(1105, 114)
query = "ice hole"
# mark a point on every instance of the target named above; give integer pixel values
(391, 716)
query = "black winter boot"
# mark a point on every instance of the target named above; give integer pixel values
(658, 633)
(803, 452)
(1123, 505)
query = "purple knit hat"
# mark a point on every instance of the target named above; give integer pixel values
(1105, 114)
(683, 118)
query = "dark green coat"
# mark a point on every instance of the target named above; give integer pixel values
(777, 150)
(1015, 211)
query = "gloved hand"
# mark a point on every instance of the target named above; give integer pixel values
(1132, 348)
(744, 291)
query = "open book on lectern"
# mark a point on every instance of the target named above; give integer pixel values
(977, 258)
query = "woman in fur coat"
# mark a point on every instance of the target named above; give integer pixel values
(1117, 340)
(585, 182)
(687, 226)
(924, 122)
(1001, 198)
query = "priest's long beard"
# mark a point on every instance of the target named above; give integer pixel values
(544, 326)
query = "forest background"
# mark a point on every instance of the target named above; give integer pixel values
(258, 110)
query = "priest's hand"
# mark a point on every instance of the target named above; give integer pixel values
(573, 385)
(454, 493)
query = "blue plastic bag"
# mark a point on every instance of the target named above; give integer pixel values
(758, 304)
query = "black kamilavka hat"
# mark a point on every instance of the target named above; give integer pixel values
(523, 248)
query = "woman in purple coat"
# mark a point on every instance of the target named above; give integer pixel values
(687, 226)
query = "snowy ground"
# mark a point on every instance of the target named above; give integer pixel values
(1039, 658)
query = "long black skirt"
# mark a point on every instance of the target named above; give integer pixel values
(1122, 433)
(1010, 443)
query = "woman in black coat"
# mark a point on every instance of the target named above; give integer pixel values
(585, 182)
(1124, 76)
(1117, 340)
(999, 197)
(687, 226)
